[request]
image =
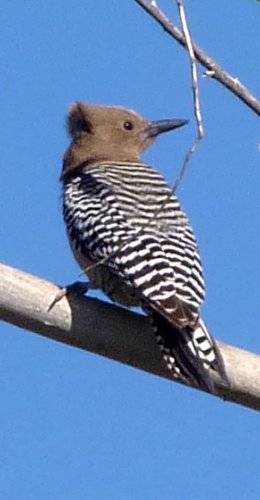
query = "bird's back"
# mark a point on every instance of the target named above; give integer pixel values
(141, 195)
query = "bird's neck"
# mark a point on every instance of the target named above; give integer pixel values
(77, 159)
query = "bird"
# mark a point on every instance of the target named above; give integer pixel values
(131, 237)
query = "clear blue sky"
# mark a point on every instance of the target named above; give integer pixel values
(74, 425)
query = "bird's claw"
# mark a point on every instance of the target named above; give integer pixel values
(77, 288)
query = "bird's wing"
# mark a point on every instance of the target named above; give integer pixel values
(147, 199)
(181, 251)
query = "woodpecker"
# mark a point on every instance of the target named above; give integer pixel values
(130, 235)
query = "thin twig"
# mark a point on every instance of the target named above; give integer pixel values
(214, 70)
(196, 97)
(194, 73)
(187, 159)
(192, 149)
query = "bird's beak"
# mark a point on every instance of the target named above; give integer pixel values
(160, 126)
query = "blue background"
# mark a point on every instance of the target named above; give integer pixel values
(74, 425)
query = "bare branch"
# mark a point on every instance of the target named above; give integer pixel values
(110, 331)
(214, 70)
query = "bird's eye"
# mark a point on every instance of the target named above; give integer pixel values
(128, 125)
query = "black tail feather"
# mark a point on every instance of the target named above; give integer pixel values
(188, 354)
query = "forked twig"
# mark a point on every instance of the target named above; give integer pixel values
(214, 70)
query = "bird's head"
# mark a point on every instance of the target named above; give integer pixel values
(104, 133)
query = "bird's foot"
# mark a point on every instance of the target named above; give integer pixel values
(76, 288)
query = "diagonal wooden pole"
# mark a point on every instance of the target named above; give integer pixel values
(110, 331)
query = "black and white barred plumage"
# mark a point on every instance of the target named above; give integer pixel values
(153, 261)
(122, 216)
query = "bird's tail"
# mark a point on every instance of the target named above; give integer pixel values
(189, 354)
